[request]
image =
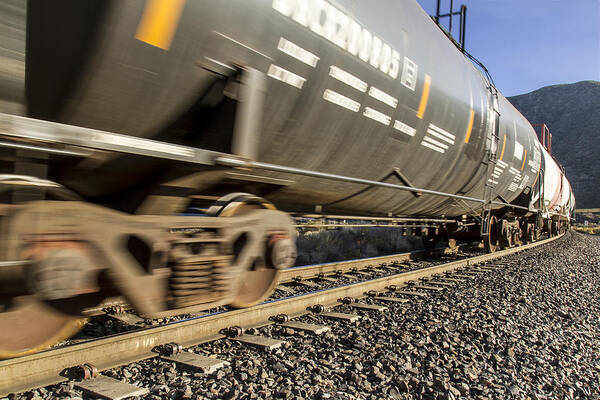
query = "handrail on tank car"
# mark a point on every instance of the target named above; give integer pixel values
(238, 163)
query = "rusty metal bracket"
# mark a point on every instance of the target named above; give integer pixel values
(248, 115)
(406, 182)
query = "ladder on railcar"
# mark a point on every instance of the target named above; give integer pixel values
(491, 159)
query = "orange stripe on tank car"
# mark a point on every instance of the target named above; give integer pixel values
(524, 158)
(424, 97)
(537, 177)
(503, 148)
(159, 22)
(470, 126)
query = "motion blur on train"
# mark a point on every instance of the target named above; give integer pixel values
(167, 149)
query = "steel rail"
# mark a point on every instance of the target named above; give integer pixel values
(45, 368)
(395, 226)
(316, 270)
(370, 218)
(302, 272)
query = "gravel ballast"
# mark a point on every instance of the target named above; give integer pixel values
(528, 331)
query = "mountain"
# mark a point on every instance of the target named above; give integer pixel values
(572, 113)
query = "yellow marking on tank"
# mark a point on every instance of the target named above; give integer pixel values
(159, 22)
(424, 97)
(470, 126)
(524, 158)
(536, 177)
(503, 148)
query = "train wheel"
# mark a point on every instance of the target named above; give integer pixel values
(549, 227)
(516, 237)
(506, 236)
(29, 325)
(452, 245)
(492, 239)
(258, 280)
(531, 234)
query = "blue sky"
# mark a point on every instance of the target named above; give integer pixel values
(528, 44)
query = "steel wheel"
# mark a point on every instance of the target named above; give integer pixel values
(452, 245)
(28, 326)
(258, 280)
(490, 242)
(531, 234)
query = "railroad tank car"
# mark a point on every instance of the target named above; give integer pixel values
(155, 106)
(367, 89)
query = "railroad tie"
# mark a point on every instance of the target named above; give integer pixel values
(378, 270)
(390, 299)
(261, 342)
(307, 283)
(193, 361)
(368, 307)
(451, 280)
(483, 268)
(495, 267)
(340, 316)
(110, 388)
(440, 283)
(428, 287)
(302, 326)
(127, 318)
(411, 293)
(285, 289)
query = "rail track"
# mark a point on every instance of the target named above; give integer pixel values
(81, 359)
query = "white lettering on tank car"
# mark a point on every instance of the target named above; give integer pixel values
(383, 97)
(347, 78)
(518, 150)
(524, 182)
(386, 58)
(339, 28)
(377, 116)
(340, 100)
(432, 147)
(409, 74)
(402, 127)
(440, 133)
(293, 50)
(535, 163)
(286, 76)
(435, 142)
(499, 169)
